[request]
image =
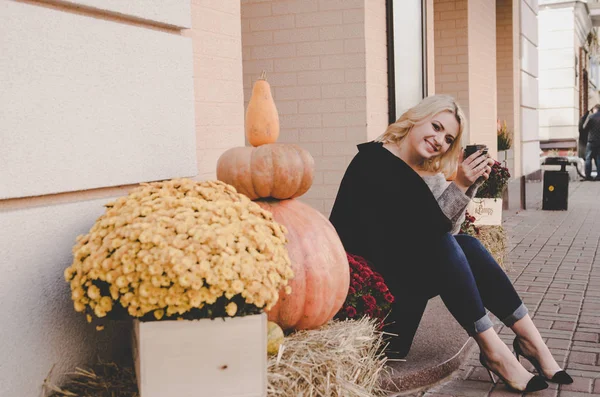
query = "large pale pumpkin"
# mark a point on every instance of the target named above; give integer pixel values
(276, 170)
(262, 119)
(321, 271)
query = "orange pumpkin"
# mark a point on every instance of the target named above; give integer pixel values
(321, 272)
(276, 170)
(262, 119)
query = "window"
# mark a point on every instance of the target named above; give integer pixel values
(407, 78)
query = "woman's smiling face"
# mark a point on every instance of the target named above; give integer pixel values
(434, 136)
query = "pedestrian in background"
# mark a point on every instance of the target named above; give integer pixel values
(590, 128)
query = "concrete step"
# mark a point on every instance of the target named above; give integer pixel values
(440, 347)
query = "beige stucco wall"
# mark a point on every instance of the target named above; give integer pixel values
(38, 231)
(504, 62)
(330, 97)
(81, 81)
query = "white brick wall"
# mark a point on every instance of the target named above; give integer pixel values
(218, 86)
(327, 95)
(465, 63)
(482, 68)
(376, 72)
(504, 62)
(451, 50)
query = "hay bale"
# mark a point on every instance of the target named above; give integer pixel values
(342, 358)
(102, 380)
(494, 239)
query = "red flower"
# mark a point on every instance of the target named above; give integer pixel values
(369, 300)
(350, 311)
(389, 297)
(381, 287)
(351, 291)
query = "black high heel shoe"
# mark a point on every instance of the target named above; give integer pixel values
(535, 384)
(561, 377)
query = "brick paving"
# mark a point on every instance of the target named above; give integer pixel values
(554, 265)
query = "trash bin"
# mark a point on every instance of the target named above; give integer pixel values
(555, 196)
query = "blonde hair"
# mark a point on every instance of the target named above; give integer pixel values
(428, 107)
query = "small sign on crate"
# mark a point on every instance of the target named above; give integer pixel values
(487, 211)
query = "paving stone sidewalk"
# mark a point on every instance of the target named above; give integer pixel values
(554, 265)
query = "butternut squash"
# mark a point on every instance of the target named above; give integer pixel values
(262, 119)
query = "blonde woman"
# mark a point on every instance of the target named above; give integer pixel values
(395, 209)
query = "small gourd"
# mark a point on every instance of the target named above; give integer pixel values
(262, 119)
(274, 338)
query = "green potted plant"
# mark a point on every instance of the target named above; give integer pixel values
(504, 144)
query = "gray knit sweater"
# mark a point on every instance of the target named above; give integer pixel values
(451, 199)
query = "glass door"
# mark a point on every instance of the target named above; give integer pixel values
(407, 77)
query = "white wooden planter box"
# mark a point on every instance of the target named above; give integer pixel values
(216, 358)
(486, 211)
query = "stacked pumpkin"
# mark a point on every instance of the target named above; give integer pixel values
(274, 175)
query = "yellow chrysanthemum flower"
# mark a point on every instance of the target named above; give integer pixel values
(169, 247)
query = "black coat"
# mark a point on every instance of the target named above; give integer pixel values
(593, 130)
(386, 213)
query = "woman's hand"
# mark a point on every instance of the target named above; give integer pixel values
(471, 168)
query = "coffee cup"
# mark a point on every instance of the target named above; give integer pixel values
(470, 149)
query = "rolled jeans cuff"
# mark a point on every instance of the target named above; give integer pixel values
(518, 314)
(483, 324)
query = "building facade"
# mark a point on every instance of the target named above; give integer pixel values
(568, 70)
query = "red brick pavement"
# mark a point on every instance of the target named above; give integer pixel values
(554, 265)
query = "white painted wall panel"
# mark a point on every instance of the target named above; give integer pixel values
(529, 90)
(556, 19)
(558, 117)
(529, 124)
(559, 132)
(529, 57)
(556, 39)
(529, 24)
(533, 4)
(531, 157)
(557, 78)
(88, 103)
(557, 59)
(558, 98)
(40, 326)
(172, 12)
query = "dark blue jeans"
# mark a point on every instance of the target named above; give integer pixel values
(592, 153)
(469, 280)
